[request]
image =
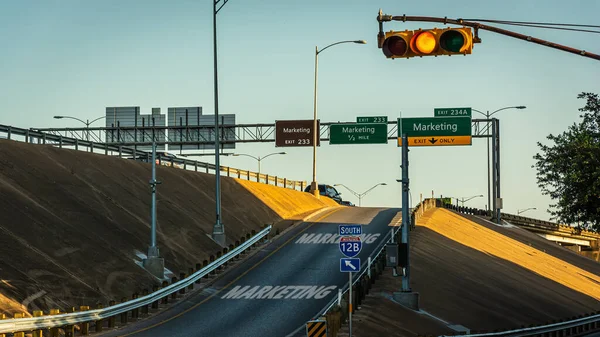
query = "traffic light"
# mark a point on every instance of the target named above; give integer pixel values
(429, 42)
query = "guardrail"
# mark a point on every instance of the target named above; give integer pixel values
(32, 136)
(61, 320)
(574, 327)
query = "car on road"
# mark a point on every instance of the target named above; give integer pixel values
(328, 191)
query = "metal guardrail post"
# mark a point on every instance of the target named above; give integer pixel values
(39, 332)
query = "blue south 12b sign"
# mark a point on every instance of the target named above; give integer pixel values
(350, 245)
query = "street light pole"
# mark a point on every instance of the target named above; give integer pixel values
(359, 195)
(218, 233)
(463, 199)
(316, 133)
(86, 122)
(487, 115)
(259, 158)
(525, 210)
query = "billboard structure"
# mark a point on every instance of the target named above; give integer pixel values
(127, 117)
(184, 123)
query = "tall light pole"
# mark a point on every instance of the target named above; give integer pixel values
(525, 210)
(259, 158)
(218, 233)
(360, 195)
(316, 133)
(463, 199)
(86, 122)
(487, 115)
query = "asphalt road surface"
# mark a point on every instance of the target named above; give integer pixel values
(277, 290)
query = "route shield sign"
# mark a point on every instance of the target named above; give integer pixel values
(435, 131)
(372, 119)
(355, 133)
(452, 112)
(295, 133)
(350, 245)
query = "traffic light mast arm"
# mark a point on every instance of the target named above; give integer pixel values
(476, 25)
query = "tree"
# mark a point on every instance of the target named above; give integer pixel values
(569, 170)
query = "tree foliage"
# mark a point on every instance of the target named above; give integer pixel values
(569, 169)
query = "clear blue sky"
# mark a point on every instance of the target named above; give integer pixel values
(78, 57)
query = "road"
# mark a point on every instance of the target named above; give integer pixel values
(278, 289)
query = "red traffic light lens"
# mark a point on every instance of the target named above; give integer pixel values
(423, 42)
(452, 41)
(394, 46)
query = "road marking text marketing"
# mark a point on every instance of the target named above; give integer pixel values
(279, 292)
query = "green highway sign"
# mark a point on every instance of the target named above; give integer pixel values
(452, 112)
(434, 126)
(355, 133)
(435, 131)
(372, 119)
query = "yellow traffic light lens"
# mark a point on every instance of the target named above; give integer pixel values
(394, 46)
(423, 42)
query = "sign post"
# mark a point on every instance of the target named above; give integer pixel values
(350, 245)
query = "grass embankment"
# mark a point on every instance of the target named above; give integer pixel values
(475, 236)
(287, 203)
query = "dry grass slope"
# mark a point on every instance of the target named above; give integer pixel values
(471, 234)
(72, 222)
(286, 203)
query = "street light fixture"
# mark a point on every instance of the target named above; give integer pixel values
(487, 115)
(525, 210)
(259, 158)
(316, 133)
(360, 195)
(86, 122)
(463, 200)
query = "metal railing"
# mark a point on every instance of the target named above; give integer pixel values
(37, 323)
(575, 327)
(32, 136)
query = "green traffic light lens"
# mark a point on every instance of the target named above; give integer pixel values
(394, 46)
(452, 41)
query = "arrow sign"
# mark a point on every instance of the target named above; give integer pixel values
(432, 140)
(350, 265)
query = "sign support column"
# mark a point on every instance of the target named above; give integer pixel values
(406, 296)
(497, 202)
(154, 263)
(405, 213)
(350, 303)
